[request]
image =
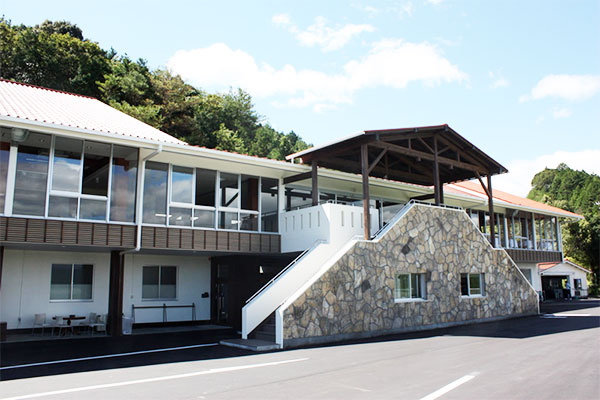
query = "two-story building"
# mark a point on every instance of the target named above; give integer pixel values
(378, 232)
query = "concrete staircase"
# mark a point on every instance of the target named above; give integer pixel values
(266, 330)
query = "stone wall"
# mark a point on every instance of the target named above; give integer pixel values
(355, 297)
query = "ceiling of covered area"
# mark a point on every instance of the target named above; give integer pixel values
(406, 155)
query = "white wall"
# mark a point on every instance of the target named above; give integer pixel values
(536, 280)
(571, 272)
(26, 286)
(193, 279)
(333, 223)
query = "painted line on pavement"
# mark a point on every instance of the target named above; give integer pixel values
(133, 353)
(571, 315)
(157, 379)
(451, 386)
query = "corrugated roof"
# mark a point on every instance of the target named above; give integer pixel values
(473, 186)
(34, 103)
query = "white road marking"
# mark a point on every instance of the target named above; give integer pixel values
(451, 386)
(133, 353)
(572, 315)
(157, 379)
(552, 316)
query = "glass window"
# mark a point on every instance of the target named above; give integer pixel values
(96, 168)
(62, 207)
(4, 155)
(123, 184)
(249, 193)
(269, 202)
(155, 193)
(31, 175)
(228, 220)
(472, 285)
(71, 282)
(410, 286)
(66, 172)
(159, 282)
(297, 198)
(204, 218)
(182, 185)
(527, 274)
(205, 187)
(179, 216)
(92, 209)
(230, 192)
(248, 222)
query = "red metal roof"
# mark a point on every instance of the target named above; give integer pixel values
(54, 107)
(474, 186)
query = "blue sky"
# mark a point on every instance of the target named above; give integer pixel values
(520, 79)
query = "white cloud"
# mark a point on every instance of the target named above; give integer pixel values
(497, 81)
(561, 113)
(434, 2)
(521, 172)
(567, 87)
(319, 34)
(389, 63)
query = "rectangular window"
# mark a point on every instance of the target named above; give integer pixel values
(32, 173)
(410, 286)
(230, 193)
(578, 284)
(472, 284)
(71, 282)
(159, 283)
(123, 184)
(269, 202)
(155, 193)
(4, 155)
(205, 187)
(527, 273)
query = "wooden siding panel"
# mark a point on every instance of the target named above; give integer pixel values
(16, 230)
(222, 240)
(99, 235)
(128, 238)
(265, 243)
(160, 238)
(254, 242)
(245, 242)
(114, 235)
(275, 243)
(173, 238)
(211, 240)
(147, 236)
(53, 231)
(234, 241)
(3, 223)
(198, 240)
(186, 239)
(36, 230)
(69, 232)
(534, 256)
(84, 236)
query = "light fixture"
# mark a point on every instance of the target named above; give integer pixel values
(19, 135)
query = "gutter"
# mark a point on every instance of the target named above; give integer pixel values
(138, 211)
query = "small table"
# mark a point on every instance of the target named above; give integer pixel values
(69, 319)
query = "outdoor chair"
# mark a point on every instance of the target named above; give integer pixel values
(39, 321)
(62, 324)
(99, 323)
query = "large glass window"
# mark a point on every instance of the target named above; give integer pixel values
(71, 282)
(155, 193)
(159, 283)
(66, 164)
(205, 187)
(31, 176)
(123, 184)
(269, 202)
(410, 286)
(230, 193)
(249, 193)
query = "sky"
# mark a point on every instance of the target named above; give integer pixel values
(519, 79)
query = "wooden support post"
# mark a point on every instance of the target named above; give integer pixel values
(315, 183)
(491, 210)
(364, 161)
(437, 190)
(115, 294)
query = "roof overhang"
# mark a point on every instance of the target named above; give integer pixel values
(406, 155)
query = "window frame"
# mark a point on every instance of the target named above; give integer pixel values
(160, 267)
(482, 290)
(71, 299)
(421, 288)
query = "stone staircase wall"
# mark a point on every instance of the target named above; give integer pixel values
(355, 297)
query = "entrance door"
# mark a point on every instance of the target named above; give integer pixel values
(553, 287)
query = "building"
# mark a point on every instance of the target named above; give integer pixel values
(378, 232)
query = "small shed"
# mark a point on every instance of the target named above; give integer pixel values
(555, 276)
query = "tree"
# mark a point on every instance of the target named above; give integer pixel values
(579, 192)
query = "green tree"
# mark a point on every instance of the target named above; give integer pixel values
(579, 192)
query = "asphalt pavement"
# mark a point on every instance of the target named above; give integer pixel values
(554, 355)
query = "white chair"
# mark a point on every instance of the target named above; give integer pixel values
(39, 321)
(99, 323)
(62, 324)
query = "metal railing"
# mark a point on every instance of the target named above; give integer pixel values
(164, 308)
(290, 265)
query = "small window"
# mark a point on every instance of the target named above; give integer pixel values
(410, 286)
(71, 282)
(578, 284)
(527, 273)
(472, 285)
(159, 282)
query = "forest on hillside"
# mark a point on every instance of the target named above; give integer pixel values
(57, 55)
(579, 192)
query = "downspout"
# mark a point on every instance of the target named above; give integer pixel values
(138, 204)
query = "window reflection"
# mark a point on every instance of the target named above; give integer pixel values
(66, 168)
(31, 175)
(123, 184)
(155, 193)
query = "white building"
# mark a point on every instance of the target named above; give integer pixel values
(101, 213)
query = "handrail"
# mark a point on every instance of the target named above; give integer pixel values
(164, 308)
(294, 261)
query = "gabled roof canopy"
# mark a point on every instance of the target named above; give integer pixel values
(406, 155)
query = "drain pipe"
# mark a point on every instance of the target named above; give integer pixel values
(138, 202)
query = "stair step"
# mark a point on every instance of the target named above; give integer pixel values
(266, 328)
(251, 344)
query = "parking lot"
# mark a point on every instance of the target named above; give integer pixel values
(554, 355)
